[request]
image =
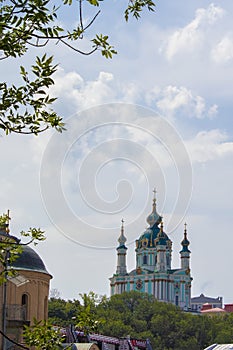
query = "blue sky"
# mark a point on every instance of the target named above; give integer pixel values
(173, 67)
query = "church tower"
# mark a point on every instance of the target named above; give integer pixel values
(121, 252)
(161, 250)
(147, 244)
(153, 273)
(185, 252)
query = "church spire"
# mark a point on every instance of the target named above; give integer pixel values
(121, 252)
(122, 239)
(161, 235)
(185, 242)
(185, 252)
(161, 250)
(154, 200)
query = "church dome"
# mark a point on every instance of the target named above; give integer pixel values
(149, 238)
(185, 242)
(29, 260)
(154, 218)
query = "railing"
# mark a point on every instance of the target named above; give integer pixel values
(16, 312)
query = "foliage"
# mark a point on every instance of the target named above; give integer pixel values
(141, 316)
(136, 6)
(11, 247)
(24, 23)
(24, 109)
(42, 336)
(61, 312)
(86, 318)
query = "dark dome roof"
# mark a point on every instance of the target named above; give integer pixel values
(149, 237)
(152, 235)
(29, 260)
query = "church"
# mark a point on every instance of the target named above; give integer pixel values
(153, 273)
(24, 294)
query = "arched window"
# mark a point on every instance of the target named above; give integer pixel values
(144, 259)
(24, 306)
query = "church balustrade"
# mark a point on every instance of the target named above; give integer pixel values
(16, 312)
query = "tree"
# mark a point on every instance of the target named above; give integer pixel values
(141, 316)
(25, 23)
(42, 336)
(87, 319)
(62, 312)
(11, 247)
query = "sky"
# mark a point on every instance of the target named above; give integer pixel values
(158, 115)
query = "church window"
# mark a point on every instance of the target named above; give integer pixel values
(24, 306)
(144, 259)
(177, 300)
(145, 242)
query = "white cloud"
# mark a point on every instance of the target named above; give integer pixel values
(83, 94)
(190, 37)
(213, 111)
(174, 100)
(209, 145)
(223, 51)
(170, 100)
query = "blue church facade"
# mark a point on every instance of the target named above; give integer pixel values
(153, 273)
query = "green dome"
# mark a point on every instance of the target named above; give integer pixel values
(29, 260)
(150, 237)
(185, 242)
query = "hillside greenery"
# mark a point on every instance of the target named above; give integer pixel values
(141, 316)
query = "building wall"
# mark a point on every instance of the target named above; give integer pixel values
(175, 289)
(198, 302)
(26, 302)
(37, 292)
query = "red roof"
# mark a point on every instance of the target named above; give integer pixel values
(213, 310)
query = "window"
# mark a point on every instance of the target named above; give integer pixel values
(144, 259)
(177, 300)
(25, 306)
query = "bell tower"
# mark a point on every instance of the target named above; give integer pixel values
(121, 253)
(185, 252)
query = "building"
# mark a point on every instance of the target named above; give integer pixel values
(228, 307)
(198, 302)
(24, 296)
(215, 311)
(153, 273)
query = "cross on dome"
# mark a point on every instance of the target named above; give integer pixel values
(154, 200)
